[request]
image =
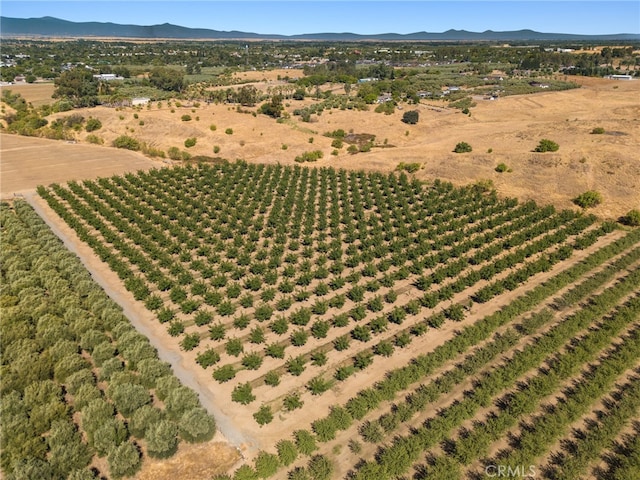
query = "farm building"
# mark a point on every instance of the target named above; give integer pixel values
(619, 77)
(140, 101)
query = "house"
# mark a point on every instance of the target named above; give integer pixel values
(107, 77)
(140, 101)
(619, 77)
(539, 85)
(385, 97)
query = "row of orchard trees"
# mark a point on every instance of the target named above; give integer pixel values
(425, 392)
(77, 380)
(202, 244)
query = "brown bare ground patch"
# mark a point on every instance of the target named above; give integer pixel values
(190, 462)
(27, 162)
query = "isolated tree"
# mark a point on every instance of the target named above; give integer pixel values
(411, 117)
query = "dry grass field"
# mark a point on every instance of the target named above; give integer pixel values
(28, 162)
(36, 93)
(502, 131)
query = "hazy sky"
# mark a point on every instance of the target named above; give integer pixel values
(360, 16)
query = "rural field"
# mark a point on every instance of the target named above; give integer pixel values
(413, 318)
(501, 131)
(344, 320)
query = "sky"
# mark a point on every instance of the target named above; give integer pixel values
(293, 17)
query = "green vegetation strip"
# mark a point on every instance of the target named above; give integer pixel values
(541, 432)
(622, 406)
(624, 462)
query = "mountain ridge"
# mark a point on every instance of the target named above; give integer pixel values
(56, 27)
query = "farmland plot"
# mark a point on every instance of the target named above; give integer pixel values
(414, 324)
(83, 393)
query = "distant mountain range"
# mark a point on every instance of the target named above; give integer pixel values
(55, 27)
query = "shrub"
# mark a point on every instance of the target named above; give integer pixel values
(229, 131)
(190, 142)
(224, 373)
(263, 415)
(93, 124)
(632, 218)
(124, 141)
(95, 140)
(597, 131)
(190, 341)
(272, 378)
(242, 393)
(546, 145)
(411, 117)
(502, 167)
(174, 153)
(216, 149)
(462, 147)
(309, 156)
(588, 199)
(186, 118)
(408, 167)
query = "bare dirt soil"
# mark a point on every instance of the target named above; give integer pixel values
(500, 131)
(27, 162)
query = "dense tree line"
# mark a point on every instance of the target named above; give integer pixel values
(61, 338)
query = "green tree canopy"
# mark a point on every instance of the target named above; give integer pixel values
(168, 79)
(78, 86)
